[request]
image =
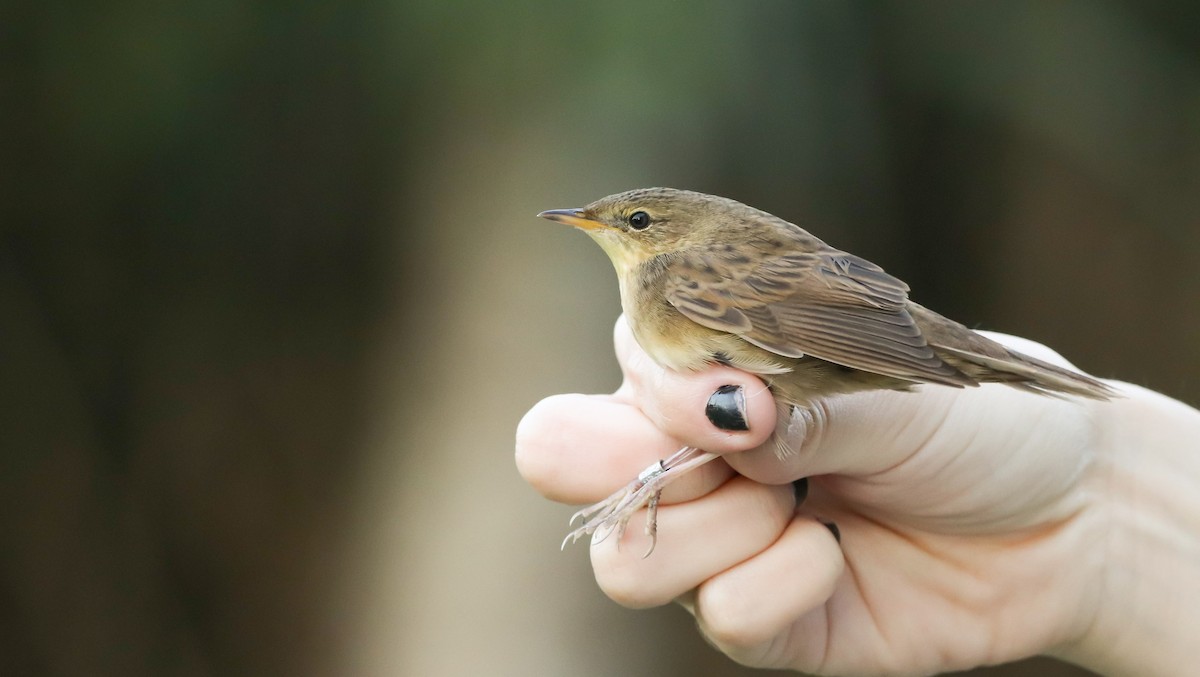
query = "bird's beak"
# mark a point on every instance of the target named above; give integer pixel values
(571, 217)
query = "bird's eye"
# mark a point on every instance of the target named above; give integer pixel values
(639, 220)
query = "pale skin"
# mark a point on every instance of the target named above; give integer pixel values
(979, 525)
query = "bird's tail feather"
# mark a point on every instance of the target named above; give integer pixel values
(1025, 372)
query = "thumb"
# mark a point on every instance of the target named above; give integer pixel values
(868, 433)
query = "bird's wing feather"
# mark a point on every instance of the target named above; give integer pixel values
(828, 304)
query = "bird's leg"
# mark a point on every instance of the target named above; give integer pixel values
(613, 513)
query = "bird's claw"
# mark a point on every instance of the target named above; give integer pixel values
(613, 513)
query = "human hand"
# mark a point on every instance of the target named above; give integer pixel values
(977, 524)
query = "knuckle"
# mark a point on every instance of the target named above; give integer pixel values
(727, 618)
(642, 372)
(624, 583)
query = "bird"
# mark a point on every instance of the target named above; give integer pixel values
(709, 280)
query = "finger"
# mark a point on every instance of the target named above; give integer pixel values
(697, 539)
(1030, 348)
(580, 448)
(689, 407)
(745, 609)
(868, 433)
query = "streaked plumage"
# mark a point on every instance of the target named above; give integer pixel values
(708, 279)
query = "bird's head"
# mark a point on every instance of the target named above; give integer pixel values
(638, 225)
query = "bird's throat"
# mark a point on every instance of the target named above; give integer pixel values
(624, 260)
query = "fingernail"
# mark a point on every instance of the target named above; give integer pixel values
(833, 529)
(800, 489)
(726, 409)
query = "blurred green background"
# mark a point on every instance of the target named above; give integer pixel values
(274, 297)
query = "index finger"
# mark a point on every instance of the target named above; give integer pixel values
(677, 402)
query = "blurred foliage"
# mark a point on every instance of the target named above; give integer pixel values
(274, 297)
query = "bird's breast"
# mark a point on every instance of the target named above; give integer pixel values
(663, 332)
(677, 343)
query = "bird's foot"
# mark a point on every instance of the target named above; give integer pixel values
(613, 513)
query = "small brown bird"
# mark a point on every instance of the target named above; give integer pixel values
(706, 279)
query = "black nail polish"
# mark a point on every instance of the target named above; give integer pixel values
(833, 529)
(800, 489)
(726, 409)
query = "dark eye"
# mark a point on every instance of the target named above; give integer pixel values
(639, 220)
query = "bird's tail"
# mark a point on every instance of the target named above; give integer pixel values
(1022, 371)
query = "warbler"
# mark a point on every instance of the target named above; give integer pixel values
(708, 280)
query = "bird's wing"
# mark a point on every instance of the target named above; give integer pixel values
(830, 304)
